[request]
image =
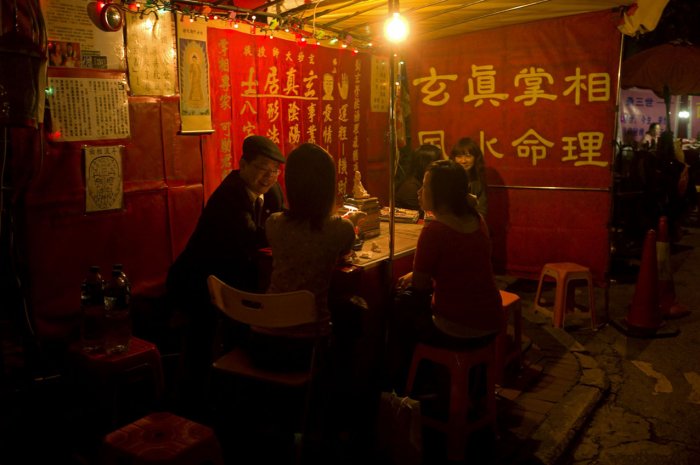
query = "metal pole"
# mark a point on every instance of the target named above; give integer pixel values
(392, 152)
(393, 6)
(615, 147)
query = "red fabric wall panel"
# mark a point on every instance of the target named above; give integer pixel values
(62, 243)
(374, 163)
(59, 241)
(184, 206)
(57, 175)
(142, 164)
(532, 227)
(182, 153)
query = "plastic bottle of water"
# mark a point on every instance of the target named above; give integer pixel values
(120, 267)
(117, 297)
(92, 327)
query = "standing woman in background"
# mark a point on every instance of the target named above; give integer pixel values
(467, 153)
(651, 138)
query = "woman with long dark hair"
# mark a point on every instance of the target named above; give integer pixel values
(450, 298)
(308, 239)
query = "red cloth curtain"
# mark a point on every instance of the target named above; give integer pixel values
(292, 92)
(540, 99)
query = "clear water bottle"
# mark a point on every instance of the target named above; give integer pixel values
(117, 297)
(120, 267)
(92, 325)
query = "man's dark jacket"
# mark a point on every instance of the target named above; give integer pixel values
(224, 243)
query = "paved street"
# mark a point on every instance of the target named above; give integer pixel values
(651, 414)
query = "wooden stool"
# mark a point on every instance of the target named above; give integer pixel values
(509, 348)
(164, 439)
(466, 414)
(563, 274)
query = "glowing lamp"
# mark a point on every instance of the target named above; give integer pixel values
(684, 114)
(396, 28)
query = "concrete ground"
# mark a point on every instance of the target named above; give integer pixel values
(584, 396)
(652, 412)
(604, 397)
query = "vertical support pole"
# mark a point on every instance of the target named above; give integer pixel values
(392, 158)
(613, 191)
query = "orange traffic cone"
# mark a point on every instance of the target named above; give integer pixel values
(644, 317)
(670, 307)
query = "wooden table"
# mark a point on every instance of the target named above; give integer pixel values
(373, 278)
(405, 239)
(367, 275)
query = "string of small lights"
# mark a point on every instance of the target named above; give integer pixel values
(257, 21)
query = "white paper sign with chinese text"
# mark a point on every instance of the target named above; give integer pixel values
(103, 178)
(88, 109)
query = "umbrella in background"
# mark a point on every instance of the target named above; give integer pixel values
(669, 69)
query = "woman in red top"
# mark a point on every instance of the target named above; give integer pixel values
(453, 262)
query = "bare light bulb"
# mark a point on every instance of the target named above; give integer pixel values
(396, 28)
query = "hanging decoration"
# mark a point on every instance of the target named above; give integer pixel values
(258, 21)
(193, 64)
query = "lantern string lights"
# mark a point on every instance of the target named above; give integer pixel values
(270, 24)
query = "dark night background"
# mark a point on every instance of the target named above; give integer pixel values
(679, 21)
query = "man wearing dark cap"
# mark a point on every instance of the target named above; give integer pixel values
(225, 243)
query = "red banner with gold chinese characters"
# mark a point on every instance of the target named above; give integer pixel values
(539, 99)
(290, 91)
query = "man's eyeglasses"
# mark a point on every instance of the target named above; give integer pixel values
(267, 171)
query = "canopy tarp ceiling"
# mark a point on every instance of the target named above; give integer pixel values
(363, 20)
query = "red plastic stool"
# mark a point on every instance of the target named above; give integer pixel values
(162, 438)
(509, 348)
(122, 380)
(564, 274)
(462, 407)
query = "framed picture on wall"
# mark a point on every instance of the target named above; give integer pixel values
(104, 189)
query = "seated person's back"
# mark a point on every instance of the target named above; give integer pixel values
(307, 242)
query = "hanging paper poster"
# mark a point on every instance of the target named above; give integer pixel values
(103, 178)
(379, 90)
(88, 109)
(288, 92)
(639, 108)
(193, 64)
(77, 38)
(150, 45)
